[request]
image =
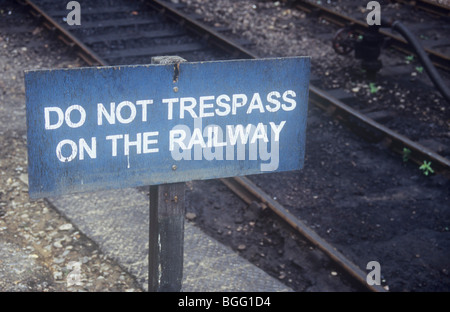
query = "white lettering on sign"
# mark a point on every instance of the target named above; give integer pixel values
(204, 107)
(61, 117)
(71, 147)
(251, 141)
(210, 142)
(118, 113)
(141, 144)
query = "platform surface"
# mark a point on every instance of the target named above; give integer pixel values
(118, 221)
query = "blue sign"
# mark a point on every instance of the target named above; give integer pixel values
(125, 126)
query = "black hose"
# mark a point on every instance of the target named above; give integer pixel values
(429, 67)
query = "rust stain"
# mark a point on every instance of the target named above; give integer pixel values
(176, 72)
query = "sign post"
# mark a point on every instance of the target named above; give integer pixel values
(166, 237)
(163, 124)
(166, 240)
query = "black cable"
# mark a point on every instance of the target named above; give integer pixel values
(429, 67)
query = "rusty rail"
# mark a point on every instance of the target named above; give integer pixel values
(89, 56)
(432, 7)
(205, 32)
(250, 193)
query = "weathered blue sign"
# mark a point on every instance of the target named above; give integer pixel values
(126, 126)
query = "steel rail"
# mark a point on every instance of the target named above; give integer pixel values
(205, 32)
(250, 193)
(438, 59)
(373, 130)
(64, 35)
(432, 7)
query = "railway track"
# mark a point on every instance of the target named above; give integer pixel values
(436, 48)
(353, 22)
(433, 7)
(145, 39)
